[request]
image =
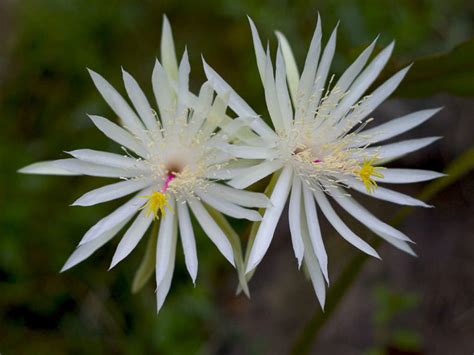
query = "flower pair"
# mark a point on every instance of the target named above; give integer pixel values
(191, 157)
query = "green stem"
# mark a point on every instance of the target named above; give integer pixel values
(302, 344)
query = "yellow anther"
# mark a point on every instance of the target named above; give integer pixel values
(366, 172)
(156, 202)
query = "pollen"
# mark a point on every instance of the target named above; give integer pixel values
(157, 202)
(366, 174)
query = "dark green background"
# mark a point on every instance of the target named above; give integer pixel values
(45, 93)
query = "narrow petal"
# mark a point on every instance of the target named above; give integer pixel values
(315, 231)
(282, 91)
(108, 159)
(46, 168)
(249, 176)
(312, 264)
(83, 251)
(132, 237)
(365, 217)
(168, 53)
(212, 230)
(292, 73)
(164, 286)
(340, 227)
(111, 192)
(229, 208)
(259, 52)
(119, 106)
(140, 102)
(85, 168)
(237, 104)
(389, 152)
(385, 194)
(165, 242)
(322, 73)
(395, 127)
(183, 85)
(239, 197)
(164, 94)
(188, 240)
(119, 135)
(363, 81)
(294, 219)
(311, 64)
(406, 176)
(270, 219)
(249, 152)
(271, 98)
(120, 214)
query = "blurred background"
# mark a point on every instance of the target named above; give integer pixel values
(403, 305)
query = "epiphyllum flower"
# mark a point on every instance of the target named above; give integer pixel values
(320, 149)
(172, 164)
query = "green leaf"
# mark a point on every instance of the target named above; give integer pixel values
(451, 72)
(147, 266)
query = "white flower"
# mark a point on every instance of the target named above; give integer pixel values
(172, 164)
(320, 148)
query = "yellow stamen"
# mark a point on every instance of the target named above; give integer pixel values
(366, 172)
(156, 202)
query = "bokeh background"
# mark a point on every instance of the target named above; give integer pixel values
(402, 305)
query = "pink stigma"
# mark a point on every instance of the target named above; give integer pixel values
(316, 161)
(169, 178)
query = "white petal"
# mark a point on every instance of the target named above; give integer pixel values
(271, 95)
(120, 214)
(249, 152)
(259, 52)
(188, 240)
(379, 95)
(249, 176)
(322, 73)
(108, 159)
(294, 219)
(119, 135)
(140, 102)
(83, 251)
(314, 231)
(164, 94)
(340, 227)
(354, 69)
(397, 243)
(111, 192)
(311, 64)
(163, 288)
(229, 208)
(201, 108)
(165, 242)
(183, 84)
(385, 194)
(119, 106)
(46, 168)
(270, 219)
(405, 176)
(237, 104)
(132, 237)
(168, 53)
(86, 168)
(362, 83)
(312, 264)
(292, 74)
(282, 92)
(240, 197)
(395, 127)
(212, 230)
(364, 216)
(389, 152)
